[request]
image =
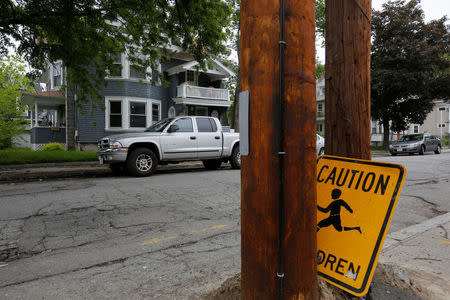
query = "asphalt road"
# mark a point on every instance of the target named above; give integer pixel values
(174, 235)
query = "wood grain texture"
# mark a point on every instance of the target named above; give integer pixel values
(347, 73)
(259, 172)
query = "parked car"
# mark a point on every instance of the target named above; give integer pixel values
(320, 145)
(416, 143)
(171, 140)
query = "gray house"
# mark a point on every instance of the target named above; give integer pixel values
(132, 103)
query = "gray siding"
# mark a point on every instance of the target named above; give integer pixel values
(91, 123)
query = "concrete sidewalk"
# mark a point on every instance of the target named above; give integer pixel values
(417, 259)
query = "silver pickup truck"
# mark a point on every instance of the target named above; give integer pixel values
(170, 140)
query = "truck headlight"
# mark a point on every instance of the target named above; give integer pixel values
(116, 145)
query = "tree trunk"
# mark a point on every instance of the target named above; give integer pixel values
(386, 134)
(70, 116)
(235, 119)
(236, 103)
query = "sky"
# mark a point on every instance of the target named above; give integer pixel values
(433, 9)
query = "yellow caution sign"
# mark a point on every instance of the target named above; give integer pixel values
(355, 203)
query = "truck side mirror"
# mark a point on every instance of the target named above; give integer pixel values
(173, 128)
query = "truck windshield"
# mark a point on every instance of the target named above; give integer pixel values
(159, 126)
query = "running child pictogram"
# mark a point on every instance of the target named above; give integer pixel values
(335, 213)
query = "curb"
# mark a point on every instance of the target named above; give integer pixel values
(396, 238)
(37, 172)
(49, 165)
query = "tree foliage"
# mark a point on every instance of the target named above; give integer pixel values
(13, 83)
(409, 64)
(87, 35)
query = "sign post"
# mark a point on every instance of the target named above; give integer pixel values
(355, 203)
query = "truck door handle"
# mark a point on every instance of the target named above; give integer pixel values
(217, 137)
(193, 137)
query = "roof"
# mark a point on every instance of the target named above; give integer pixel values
(46, 98)
(218, 68)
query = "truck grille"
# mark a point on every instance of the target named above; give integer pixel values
(103, 144)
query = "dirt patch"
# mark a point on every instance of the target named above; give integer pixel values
(388, 284)
(231, 290)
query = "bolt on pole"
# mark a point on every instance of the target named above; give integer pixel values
(289, 155)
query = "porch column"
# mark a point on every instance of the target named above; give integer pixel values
(36, 115)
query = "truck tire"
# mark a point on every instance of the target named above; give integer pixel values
(212, 164)
(142, 162)
(235, 159)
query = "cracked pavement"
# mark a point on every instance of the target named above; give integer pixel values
(123, 237)
(174, 235)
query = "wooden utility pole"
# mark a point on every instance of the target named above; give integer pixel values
(347, 74)
(278, 192)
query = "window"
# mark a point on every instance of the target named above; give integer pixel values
(185, 125)
(57, 75)
(319, 108)
(115, 114)
(213, 124)
(190, 76)
(441, 108)
(374, 130)
(416, 128)
(441, 125)
(206, 125)
(137, 114)
(320, 127)
(155, 113)
(117, 66)
(135, 73)
(131, 113)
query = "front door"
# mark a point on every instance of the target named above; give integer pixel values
(181, 144)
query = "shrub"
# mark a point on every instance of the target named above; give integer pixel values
(53, 147)
(445, 141)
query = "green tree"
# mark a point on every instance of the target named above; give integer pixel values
(320, 69)
(408, 65)
(13, 83)
(87, 35)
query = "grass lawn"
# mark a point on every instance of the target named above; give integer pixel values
(27, 156)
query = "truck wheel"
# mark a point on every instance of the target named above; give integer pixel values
(212, 164)
(118, 169)
(142, 162)
(422, 150)
(235, 159)
(438, 149)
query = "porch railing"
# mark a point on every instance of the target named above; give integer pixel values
(189, 91)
